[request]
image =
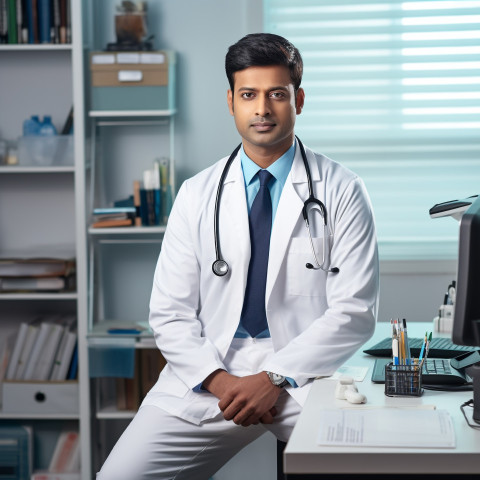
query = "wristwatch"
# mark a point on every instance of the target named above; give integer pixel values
(277, 380)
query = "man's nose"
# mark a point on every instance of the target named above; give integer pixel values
(263, 106)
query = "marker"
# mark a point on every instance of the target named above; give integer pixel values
(395, 350)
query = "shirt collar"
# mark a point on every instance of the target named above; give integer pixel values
(280, 168)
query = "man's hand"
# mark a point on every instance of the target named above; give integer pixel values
(245, 400)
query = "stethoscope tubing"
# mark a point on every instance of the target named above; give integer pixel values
(220, 266)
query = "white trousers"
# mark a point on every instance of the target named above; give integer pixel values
(158, 445)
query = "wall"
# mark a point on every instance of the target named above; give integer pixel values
(200, 31)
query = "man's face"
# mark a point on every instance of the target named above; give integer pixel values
(264, 106)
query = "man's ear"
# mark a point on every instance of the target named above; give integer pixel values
(299, 101)
(230, 101)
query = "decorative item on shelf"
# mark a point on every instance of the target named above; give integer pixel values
(131, 28)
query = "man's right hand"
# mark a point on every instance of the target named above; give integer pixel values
(245, 400)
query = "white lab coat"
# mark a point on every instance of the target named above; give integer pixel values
(316, 320)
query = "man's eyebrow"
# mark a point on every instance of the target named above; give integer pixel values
(252, 89)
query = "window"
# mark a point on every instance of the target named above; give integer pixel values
(393, 92)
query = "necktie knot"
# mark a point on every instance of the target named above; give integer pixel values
(264, 176)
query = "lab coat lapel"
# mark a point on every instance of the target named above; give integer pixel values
(235, 215)
(289, 212)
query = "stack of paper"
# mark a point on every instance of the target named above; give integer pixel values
(386, 427)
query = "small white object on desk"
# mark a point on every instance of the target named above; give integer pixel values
(347, 390)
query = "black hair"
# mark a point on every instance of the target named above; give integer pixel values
(263, 49)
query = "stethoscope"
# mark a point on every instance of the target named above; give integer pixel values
(220, 266)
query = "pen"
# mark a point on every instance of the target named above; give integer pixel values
(422, 351)
(407, 347)
(427, 348)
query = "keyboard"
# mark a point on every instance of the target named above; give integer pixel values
(439, 348)
(436, 371)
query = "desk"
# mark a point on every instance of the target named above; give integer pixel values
(303, 456)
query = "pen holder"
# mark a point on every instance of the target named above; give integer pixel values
(403, 380)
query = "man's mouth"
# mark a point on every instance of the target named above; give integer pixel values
(263, 126)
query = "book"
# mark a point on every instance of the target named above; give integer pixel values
(44, 331)
(152, 363)
(12, 21)
(36, 267)
(46, 358)
(65, 456)
(72, 369)
(17, 349)
(127, 222)
(37, 284)
(6, 347)
(64, 354)
(40, 475)
(26, 348)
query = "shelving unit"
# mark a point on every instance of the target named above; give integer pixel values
(42, 209)
(120, 144)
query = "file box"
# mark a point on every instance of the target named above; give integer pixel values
(133, 80)
(40, 397)
(40, 151)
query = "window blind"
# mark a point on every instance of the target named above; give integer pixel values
(392, 92)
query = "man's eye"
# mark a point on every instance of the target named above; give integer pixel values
(247, 95)
(277, 95)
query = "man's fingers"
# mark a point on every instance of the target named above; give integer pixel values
(266, 418)
(225, 402)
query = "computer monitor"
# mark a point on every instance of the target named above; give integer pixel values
(466, 322)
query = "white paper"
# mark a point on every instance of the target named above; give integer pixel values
(357, 373)
(386, 427)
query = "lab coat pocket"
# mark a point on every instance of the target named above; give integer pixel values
(301, 280)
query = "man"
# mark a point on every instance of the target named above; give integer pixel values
(243, 348)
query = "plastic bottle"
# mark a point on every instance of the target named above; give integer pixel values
(31, 126)
(47, 128)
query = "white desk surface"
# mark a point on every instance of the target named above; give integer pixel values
(303, 456)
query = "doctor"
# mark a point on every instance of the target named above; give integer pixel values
(244, 338)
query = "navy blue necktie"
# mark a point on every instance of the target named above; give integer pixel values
(254, 316)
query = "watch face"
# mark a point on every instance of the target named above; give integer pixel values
(276, 379)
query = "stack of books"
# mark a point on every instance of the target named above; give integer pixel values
(35, 21)
(131, 391)
(113, 217)
(36, 274)
(43, 349)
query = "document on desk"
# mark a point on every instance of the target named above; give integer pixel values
(386, 427)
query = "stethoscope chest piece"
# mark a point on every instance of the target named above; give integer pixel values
(220, 268)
